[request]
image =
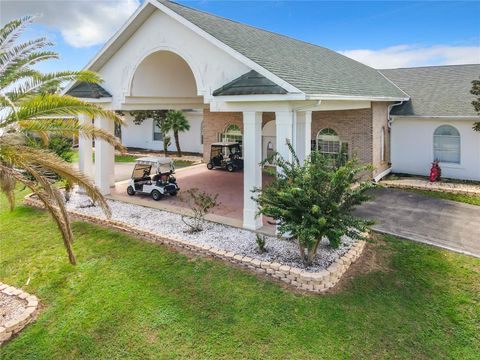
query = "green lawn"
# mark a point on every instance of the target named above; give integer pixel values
(129, 158)
(468, 199)
(128, 299)
(118, 158)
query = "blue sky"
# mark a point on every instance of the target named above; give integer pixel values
(379, 33)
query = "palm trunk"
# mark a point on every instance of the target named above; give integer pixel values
(177, 143)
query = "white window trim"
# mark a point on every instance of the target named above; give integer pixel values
(447, 164)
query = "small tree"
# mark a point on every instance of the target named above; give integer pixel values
(175, 121)
(314, 200)
(476, 103)
(200, 203)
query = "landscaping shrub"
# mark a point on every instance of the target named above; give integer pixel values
(200, 203)
(314, 200)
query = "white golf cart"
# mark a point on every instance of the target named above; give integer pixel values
(153, 175)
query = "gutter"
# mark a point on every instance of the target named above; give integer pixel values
(389, 116)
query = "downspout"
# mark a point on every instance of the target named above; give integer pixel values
(389, 116)
(389, 125)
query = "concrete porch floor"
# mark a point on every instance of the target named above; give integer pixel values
(228, 186)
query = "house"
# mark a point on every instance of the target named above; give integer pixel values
(237, 82)
(437, 121)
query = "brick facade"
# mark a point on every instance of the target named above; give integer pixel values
(215, 123)
(361, 129)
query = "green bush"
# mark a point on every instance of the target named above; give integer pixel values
(314, 200)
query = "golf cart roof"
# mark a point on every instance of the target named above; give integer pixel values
(154, 160)
(225, 144)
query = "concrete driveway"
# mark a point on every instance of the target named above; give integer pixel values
(444, 223)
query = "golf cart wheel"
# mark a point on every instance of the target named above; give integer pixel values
(156, 195)
(174, 193)
(230, 168)
(130, 191)
(209, 166)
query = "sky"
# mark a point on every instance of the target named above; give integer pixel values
(382, 34)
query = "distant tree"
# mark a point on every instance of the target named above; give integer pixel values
(175, 121)
(476, 103)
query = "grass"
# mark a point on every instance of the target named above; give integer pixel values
(118, 158)
(128, 299)
(467, 199)
(130, 158)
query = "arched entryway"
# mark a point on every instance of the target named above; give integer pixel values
(269, 139)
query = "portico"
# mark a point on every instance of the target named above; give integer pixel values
(171, 57)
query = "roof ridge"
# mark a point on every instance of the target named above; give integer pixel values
(268, 31)
(428, 67)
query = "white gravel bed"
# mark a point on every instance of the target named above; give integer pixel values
(224, 237)
(11, 307)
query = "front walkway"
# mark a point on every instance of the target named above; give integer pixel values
(444, 223)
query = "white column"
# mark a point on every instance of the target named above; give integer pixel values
(303, 134)
(284, 125)
(252, 172)
(85, 149)
(104, 158)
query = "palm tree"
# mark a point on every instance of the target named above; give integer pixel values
(29, 107)
(175, 121)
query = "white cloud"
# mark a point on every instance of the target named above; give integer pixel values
(413, 55)
(81, 23)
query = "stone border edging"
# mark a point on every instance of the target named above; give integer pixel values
(452, 190)
(296, 278)
(14, 326)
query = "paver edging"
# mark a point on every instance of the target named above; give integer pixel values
(15, 325)
(451, 190)
(296, 278)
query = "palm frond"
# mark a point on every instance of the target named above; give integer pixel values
(41, 83)
(7, 186)
(24, 157)
(12, 30)
(51, 198)
(69, 127)
(54, 105)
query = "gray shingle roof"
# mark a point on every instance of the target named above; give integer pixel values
(251, 83)
(88, 90)
(310, 68)
(436, 90)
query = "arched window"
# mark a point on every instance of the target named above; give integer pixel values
(446, 144)
(232, 134)
(382, 144)
(328, 142)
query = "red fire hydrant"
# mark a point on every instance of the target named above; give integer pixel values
(435, 172)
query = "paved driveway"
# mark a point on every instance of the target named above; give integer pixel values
(443, 223)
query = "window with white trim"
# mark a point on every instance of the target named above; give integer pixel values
(328, 142)
(232, 133)
(157, 133)
(446, 144)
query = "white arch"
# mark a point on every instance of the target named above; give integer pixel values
(201, 91)
(270, 129)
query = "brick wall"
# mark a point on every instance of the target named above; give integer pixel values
(361, 129)
(352, 126)
(215, 123)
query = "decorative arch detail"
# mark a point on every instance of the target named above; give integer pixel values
(175, 50)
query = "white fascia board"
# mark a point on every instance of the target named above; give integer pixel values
(351, 97)
(109, 43)
(96, 100)
(459, 117)
(235, 54)
(253, 98)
